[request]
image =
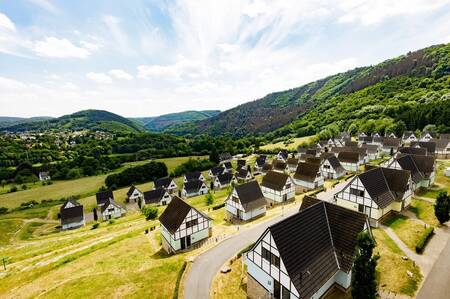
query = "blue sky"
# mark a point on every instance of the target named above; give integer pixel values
(145, 58)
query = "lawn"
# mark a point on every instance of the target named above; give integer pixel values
(231, 284)
(424, 211)
(295, 142)
(392, 269)
(408, 230)
(7, 230)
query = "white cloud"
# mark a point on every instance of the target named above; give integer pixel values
(120, 74)
(45, 4)
(90, 46)
(100, 78)
(121, 38)
(59, 48)
(6, 23)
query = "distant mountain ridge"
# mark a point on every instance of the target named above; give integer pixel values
(95, 120)
(7, 121)
(166, 121)
(410, 88)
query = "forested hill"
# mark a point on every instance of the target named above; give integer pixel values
(87, 119)
(7, 121)
(407, 92)
(162, 122)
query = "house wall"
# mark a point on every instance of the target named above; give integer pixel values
(115, 213)
(135, 196)
(232, 207)
(73, 225)
(350, 166)
(277, 196)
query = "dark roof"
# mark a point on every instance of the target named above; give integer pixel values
(366, 138)
(267, 166)
(334, 162)
(413, 150)
(424, 164)
(103, 196)
(391, 142)
(241, 162)
(311, 151)
(370, 148)
(274, 180)
(192, 175)
(348, 157)
(432, 134)
(225, 178)
(163, 183)
(444, 136)
(317, 242)
(304, 157)
(70, 200)
(308, 201)
(250, 195)
(307, 171)
(407, 134)
(284, 154)
(430, 145)
(314, 160)
(225, 156)
(324, 155)
(175, 213)
(154, 196)
(351, 143)
(228, 165)
(70, 215)
(292, 161)
(260, 161)
(279, 165)
(217, 170)
(242, 173)
(385, 185)
(442, 143)
(193, 185)
(107, 203)
(131, 190)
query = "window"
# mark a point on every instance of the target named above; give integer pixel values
(285, 293)
(270, 257)
(326, 166)
(235, 199)
(191, 223)
(361, 208)
(266, 254)
(288, 186)
(357, 192)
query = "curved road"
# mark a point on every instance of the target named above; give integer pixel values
(205, 266)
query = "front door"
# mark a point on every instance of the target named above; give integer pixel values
(285, 197)
(276, 289)
(238, 214)
(183, 243)
(188, 241)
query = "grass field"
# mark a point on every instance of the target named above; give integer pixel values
(295, 142)
(230, 285)
(83, 187)
(408, 230)
(424, 211)
(391, 269)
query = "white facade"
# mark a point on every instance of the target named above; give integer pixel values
(73, 224)
(318, 182)
(285, 194)
(201, 178)
(426, 137)
(234, 207)
(328, 172)
(426, 182)
(194, 228)
(353, 167)
(218, 185)
(113, 211)
(202, 190)
(136, 195)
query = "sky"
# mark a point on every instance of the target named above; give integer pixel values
(146, 58)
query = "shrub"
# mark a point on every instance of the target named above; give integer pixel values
(3, 210)
(13, 189)
(24, 187)
(216, 207)
(420, 246)
(111, 221)
(95, 225)
(136, 175)
(150, 213)
(209, 199)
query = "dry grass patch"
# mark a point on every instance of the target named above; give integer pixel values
(424, 211)
(392, 269)
(292, 144)
(408, 230)
(232, 284)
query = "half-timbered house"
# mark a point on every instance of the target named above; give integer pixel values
(377, 193)
(277, 187)
(215, 171)
(292, 164)
(103, 196)
(266, 168)
(427, 136)
(134, 194)
(422, 168)
(111, 209)
(430, 146)
(193, 176)
(279, 165)
(243, 175)
(224, 180)
(246, 202)
(259, 163)
(283, 155)
(160, 197)
(72, 215)
(194, 188)
(409, 136)
(305, 255)
(166, 183)
(442, 148)
(183, 226)
(307, 177)
(390, 145)
(349, 160)
(331, 168)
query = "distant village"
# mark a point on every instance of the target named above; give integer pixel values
(325, 228)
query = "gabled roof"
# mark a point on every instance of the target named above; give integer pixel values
(228, 165)
(154, 196)
(279, 165)
(424, 164)
(71, 215)
(432, 134)
(307, 171)
(429, 145)
(348, 157)
(193, 185)
(131, 190)
(407, 134)
(292, 161)
(313, 160)
(274, 180)
(260, 161)
(267, 166)
(413, 150)
(284, 154)
(385, 185)
(217, 170)
(442, 143)
(370, 148)
(311, 151)
(304, 157)
(444, 136)
(175, 213)
(103, 196)
(108, 202)
(225, 156)
(193, 175)
(242, 173)
(250, 195)
(241, 162)
(351, 143)
(391, 142)
(163, 183)
(334, 162)
(308, 201)
(225, 178)
(70, 200)
(317, 242)
(366, 139)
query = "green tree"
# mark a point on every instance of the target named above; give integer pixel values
(3, 183)
(149, 212)
(442, 207)
(94, 211)
(209, 198)
(364, 284)
(214, 156)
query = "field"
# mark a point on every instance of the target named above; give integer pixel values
(408, 230)
(292, 145)
(232, 284)
(83, 187)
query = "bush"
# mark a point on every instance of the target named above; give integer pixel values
(13, 189)
(209, 199)
(24, 187)
(216, 207)
(111, 221)
(420, 246)
(192, 165)
(95, 225)
(3, 210)
(137, 175)
(150, 213)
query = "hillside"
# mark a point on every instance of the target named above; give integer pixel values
(413, 88)
(162, 122)
(87, 119)
(7, 121)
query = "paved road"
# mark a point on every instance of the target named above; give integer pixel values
(328, 194)
(437, 284)
(205, 267)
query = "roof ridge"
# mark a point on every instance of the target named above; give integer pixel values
(331, 236)
(387, 184)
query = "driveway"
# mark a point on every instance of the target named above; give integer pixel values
(328, 194)
(205, 266)
(437, 283)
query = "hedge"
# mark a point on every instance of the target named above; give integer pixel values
(420, 246)
(177, 284)
(218, 206)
